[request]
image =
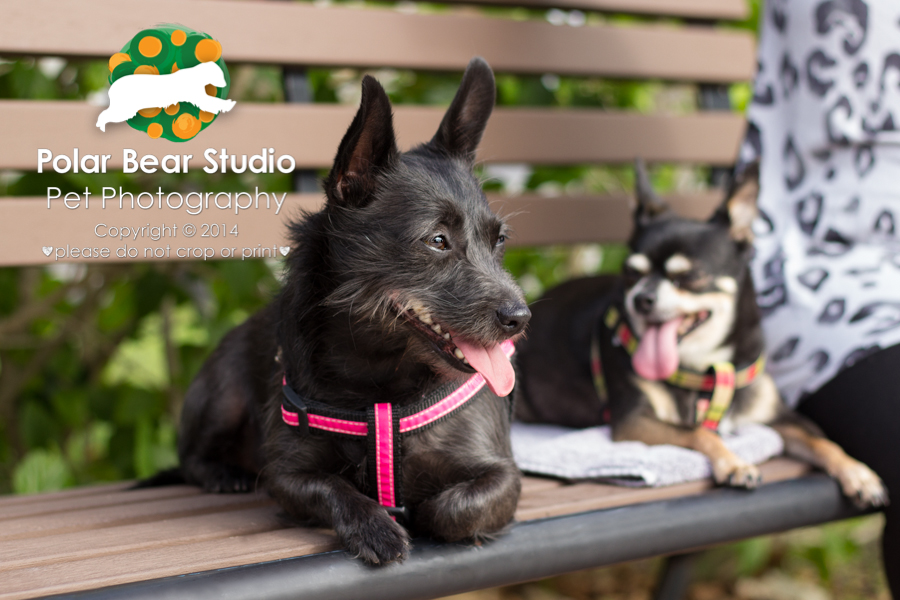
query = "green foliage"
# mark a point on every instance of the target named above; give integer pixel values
(41, 470)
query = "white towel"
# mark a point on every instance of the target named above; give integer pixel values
(579, 454)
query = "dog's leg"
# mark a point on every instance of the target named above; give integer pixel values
(728, 468)
(802, 439)
(474, 509)
(217, 477)
(363, 526)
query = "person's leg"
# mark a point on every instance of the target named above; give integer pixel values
(860, 410)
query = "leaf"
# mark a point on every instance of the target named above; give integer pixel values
(41, 471)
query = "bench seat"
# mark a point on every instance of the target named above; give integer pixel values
(177, 542)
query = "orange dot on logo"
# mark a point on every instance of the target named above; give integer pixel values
(146, 70)
(149, 112)
(174, 67)
(211, 90)
(117, 59)
(149, 46)
(186, 126)
(154, 130)
(178, 37)
(206, 117)
(208, 50)
(171, 110)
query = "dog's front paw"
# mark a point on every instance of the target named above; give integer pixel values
(228, 480)
(862, 485)
(378, 540)
(736, 473)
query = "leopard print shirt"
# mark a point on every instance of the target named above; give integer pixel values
(824, 122)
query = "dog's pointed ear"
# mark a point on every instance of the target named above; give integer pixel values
(368, 147)
(740, 206)
(464, 122)
(648, 205)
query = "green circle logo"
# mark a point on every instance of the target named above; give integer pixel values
(160, 51)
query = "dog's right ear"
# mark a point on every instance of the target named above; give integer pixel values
(648, 206)
(464, 122)
(368, 147)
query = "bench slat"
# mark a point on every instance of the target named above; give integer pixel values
(539, 221)
(535, 220)
(138, 512)
(71, 546)
(111, 498)
(303, 34)
(162, 562)
(691, 9)
(88, 490)
(311, 134)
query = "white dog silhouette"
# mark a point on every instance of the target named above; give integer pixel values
(132, 93)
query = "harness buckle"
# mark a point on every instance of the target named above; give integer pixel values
(299, 407)
(401, 513)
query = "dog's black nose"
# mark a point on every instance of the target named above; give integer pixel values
(643, 303)
(513, 317)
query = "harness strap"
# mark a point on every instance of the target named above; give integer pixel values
(384, 450)
(383, 426)
(722, 395)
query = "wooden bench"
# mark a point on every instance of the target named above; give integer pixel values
(175, 542)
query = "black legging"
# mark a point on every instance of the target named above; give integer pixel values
(860, 410)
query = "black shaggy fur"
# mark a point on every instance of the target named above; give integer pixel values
(398, 230)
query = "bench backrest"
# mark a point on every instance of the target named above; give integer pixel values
(679, 40)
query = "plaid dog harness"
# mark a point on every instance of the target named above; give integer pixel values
(716, 385)
(383, 427)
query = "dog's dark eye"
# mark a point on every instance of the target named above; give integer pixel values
(438, 242)
(630, 274)
(501, 239)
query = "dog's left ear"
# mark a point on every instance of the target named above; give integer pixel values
(647, 206)
(368, 147)
(740, 207)
(465, 120)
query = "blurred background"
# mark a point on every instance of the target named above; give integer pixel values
(95, 359)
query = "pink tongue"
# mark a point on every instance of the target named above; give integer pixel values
(657, 354)
(492, 363)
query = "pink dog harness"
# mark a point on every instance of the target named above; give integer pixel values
(383, 427)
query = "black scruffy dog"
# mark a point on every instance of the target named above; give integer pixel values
(671, 351)
(393, 290)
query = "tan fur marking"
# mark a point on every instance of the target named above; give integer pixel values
(742, 210)
(660, 399)
(727, 284)
(639, 263)
(727, 467)
(678, 263)
(762, 406)
(857, 480)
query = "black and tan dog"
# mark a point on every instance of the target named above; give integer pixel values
(671, 352)
(373, 388)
